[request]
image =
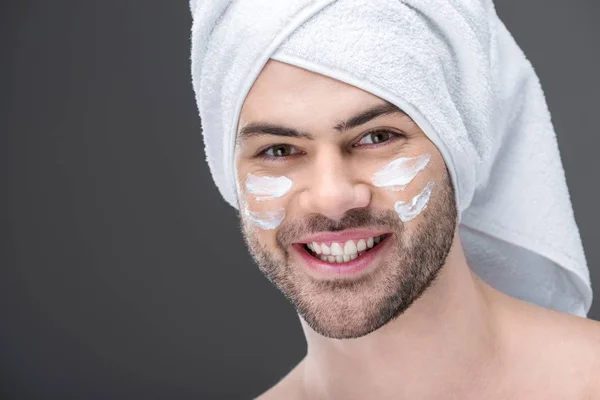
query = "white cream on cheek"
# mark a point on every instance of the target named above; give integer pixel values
(266, 188)
(408, 211)
(400, 172)
(266, 220)
(397, 175)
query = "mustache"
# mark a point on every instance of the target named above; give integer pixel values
(290, 232)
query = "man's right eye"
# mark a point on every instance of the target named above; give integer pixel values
(280, 150)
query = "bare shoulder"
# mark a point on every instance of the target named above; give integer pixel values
(560, 349)
(590, 345)
(584, 341)
(288, 388)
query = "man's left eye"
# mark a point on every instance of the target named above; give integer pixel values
(376, 137)
(379, 136)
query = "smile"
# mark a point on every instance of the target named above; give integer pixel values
(350, 253)
(343, 252)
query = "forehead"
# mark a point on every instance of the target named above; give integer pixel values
(284, 93)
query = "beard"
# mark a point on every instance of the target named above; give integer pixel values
(344, 308)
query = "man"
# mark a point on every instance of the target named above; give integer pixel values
(398, 180)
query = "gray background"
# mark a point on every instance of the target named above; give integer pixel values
(123, 273)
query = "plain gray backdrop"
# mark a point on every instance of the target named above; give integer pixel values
(123, 273)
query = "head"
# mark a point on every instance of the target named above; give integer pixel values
(322, 165)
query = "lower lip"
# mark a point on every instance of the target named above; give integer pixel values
(353, 268)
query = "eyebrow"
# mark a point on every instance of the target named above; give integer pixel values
(259, 129)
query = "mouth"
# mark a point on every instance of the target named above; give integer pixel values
(343, 252)
(342, 257)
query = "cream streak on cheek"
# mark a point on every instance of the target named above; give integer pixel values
(266, 220)
(400, 172)
(266, 188)
(408, 211)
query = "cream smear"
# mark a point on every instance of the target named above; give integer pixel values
(400, 172)
(267, 187)
(408, 211)
(266, 220)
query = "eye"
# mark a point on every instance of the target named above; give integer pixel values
(280, 150)
(377, 137)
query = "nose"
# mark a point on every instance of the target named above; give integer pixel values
(333, 190)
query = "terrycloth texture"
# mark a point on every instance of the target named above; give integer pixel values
(455, 69)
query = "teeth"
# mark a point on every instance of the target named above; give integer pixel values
(316, 247)
(343, 252)
(361, 245)
(350, 248)
(336, 249)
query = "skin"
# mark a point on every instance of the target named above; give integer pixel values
(446, 334)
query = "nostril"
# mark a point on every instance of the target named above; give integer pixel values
(334, 197)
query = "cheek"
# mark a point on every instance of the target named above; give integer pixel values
(258, 239)
(407, 184)
(407, 210)
(399, 173)
(265, 219)
(262, 200)
(411, 202)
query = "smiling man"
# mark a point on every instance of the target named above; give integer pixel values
(333, 209)
(398, 180)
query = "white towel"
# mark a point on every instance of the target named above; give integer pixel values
(456, 70)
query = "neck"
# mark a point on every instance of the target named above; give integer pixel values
(447, 334)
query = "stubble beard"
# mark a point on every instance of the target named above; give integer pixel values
(345, 309)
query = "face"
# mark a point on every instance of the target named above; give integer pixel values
(345, 204)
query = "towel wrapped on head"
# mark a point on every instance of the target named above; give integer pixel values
(454, 68)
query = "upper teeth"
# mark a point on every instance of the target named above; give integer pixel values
(348, 248)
